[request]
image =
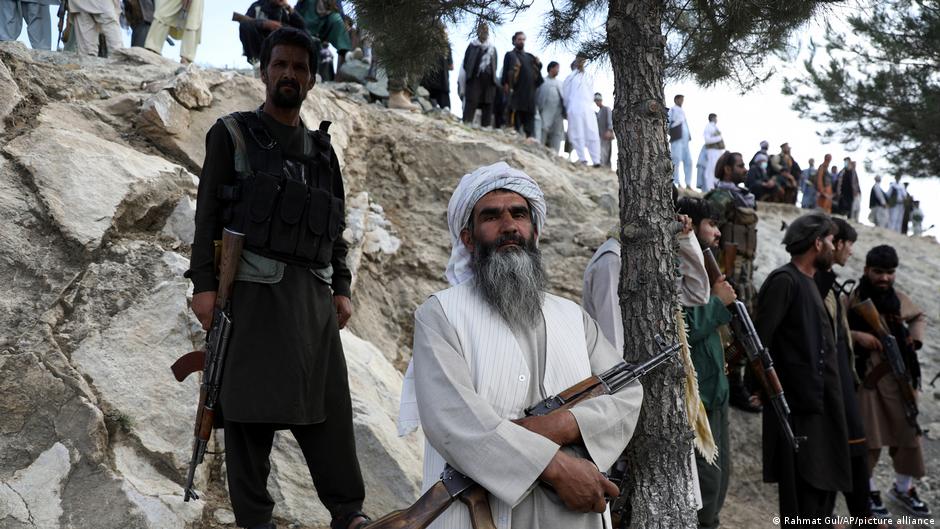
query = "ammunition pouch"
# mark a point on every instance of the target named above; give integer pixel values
(284, 206)
(741, 230)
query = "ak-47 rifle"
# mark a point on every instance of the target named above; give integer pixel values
(211, 359)
(63, 14)
(747, 341)
(867, 310)
(455, 486)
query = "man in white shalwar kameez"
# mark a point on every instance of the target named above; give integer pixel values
(578, 91)
(495, 343)
(91, 18)
(714, 148)
(896, 195)
(184, 19)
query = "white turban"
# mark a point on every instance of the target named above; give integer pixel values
(469, 191)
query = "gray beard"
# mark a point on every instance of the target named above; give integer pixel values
(512, 281)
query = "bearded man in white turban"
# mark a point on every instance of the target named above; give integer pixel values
(495, 343)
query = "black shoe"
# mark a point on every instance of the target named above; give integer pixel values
(909, 501)
(877, 508)
(269, 525)
(342, 522)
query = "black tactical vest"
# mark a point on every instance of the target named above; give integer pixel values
(285, 206)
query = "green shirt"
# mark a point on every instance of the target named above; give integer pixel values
(708, 355)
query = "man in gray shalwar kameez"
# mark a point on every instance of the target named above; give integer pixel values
(495, 343)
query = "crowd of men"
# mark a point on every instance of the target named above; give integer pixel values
(845, 401)
(779, 178)
(536, 105)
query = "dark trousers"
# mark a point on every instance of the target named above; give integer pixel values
(139, 34)
(251, 36)
(799, 499)
(524, 121)
(857, 499)
(328, 447)
(476, 96)
(713, 478)
(441, 97)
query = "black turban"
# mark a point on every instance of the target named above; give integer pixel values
(803, 232)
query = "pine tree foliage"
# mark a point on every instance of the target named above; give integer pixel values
(881, 82)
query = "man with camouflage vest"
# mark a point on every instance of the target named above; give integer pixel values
(737, 221)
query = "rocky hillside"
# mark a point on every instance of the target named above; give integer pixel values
(97, 188)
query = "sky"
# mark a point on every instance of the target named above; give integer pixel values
(744, 119)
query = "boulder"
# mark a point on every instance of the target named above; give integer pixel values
(192, 89)
(128, 360)
(12, 95)
(162, 115)
(32, 496)
(94, 185)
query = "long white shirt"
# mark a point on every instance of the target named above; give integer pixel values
(676, 117)
(578, 90)
(483, 443)
(712, 135)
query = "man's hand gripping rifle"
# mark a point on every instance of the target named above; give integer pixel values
(747, 341)
(895, 362)
(455, 486)
(211, 359)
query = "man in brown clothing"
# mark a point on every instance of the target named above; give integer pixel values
(879, 396)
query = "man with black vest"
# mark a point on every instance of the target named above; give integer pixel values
(266, 176)
(793, 324)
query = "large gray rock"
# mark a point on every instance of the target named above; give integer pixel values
(193, 88)
(162, 114)
(89, 185)
(32, 496)
(11, 94)
(391, 466)
(128, 362)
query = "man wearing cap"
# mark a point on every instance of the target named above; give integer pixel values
(793, 324)
(605, 128)
(879, 397)
(878, 204)
(714, 148)
(496, 342)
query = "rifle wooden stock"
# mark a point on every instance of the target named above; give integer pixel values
(238, 17)
(711, 266)
(729, 252)
(866, 309)
(892, 357)
(433, 503)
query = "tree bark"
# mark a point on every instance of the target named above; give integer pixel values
(658, 484)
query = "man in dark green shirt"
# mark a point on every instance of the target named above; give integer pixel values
(269, 178)
(708, 357)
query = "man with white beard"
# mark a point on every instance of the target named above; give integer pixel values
(578, 91)
(496, 342)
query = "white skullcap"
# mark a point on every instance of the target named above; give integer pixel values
(469, 191)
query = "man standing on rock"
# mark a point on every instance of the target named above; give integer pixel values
(496, 342)
(793, 324)
(522, 75)
(552, 109)
(92, 18)
(714, 148)
(879, 396)
(857, 499)
(605, 129)
(737, 220)
(708, 357)
(37, 17)
(578, 90)
(267, 176)
(478, 77)
(184, 18)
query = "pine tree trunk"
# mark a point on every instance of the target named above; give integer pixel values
(658, 482)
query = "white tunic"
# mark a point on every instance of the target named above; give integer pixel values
(578, 90)
(473, 374)
(712, 135)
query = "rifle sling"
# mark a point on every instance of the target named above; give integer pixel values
(876, 374)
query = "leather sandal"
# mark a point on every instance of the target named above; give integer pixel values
(342, 522)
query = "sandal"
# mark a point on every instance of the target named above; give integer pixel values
(342, 522)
